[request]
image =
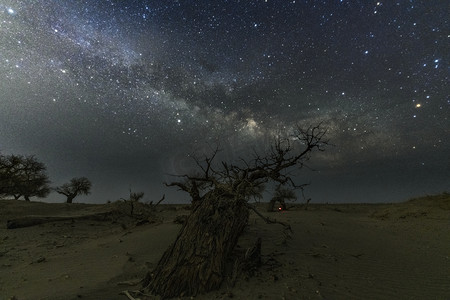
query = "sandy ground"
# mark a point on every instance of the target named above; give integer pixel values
(354, 251)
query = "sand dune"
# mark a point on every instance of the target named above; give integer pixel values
(354, 251)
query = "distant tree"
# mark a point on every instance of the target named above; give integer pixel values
(281, 195)
(134, 197)
(76, 186)
(23, 176)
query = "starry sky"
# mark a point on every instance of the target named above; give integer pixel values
(124, 92)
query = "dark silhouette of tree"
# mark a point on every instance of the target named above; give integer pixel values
(220, 192)
(134, 197)
(23, 176)
(281, 195)
(76, 186)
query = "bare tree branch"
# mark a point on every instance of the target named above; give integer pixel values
(269, 220)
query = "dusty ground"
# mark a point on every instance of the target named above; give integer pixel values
(355, 251)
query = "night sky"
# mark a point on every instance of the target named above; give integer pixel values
(122, 92)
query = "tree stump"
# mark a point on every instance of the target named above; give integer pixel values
(195, 262)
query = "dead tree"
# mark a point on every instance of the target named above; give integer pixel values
(133, 199)
(195, 262)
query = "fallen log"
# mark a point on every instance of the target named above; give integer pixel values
(32, 221)
(28, 221)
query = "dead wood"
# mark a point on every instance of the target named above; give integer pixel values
(142, 214)
(269, 220)
(252, 258)
(28, 221)
(126, 293)
(31, 221)
(195, 263)
(246, 263)
(161, 200)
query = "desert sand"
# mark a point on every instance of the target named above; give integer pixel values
(336, 251)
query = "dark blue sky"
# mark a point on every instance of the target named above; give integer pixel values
(123, 91)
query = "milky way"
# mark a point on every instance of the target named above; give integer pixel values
(124, 91)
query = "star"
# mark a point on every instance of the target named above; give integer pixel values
(140, 82)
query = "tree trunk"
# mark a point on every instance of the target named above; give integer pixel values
(283, 204)
(70, 198)
(271, 205)
(195, 263)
